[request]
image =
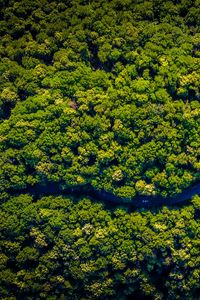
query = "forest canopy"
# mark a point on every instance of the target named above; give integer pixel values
(54, 248)
(100, 96)
(100, 93)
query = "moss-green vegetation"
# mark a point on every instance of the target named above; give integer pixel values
(54, 249)
(105, 93)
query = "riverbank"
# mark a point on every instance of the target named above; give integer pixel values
(101, 195)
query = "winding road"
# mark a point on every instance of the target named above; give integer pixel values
(138, 201)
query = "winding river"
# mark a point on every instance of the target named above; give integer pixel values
(106, 197)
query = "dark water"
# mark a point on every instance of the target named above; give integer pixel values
(108, 198)
(153, 201)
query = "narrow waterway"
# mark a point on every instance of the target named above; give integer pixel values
(106, 197)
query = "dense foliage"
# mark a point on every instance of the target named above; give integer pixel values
(55, 249)
(104, 93)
